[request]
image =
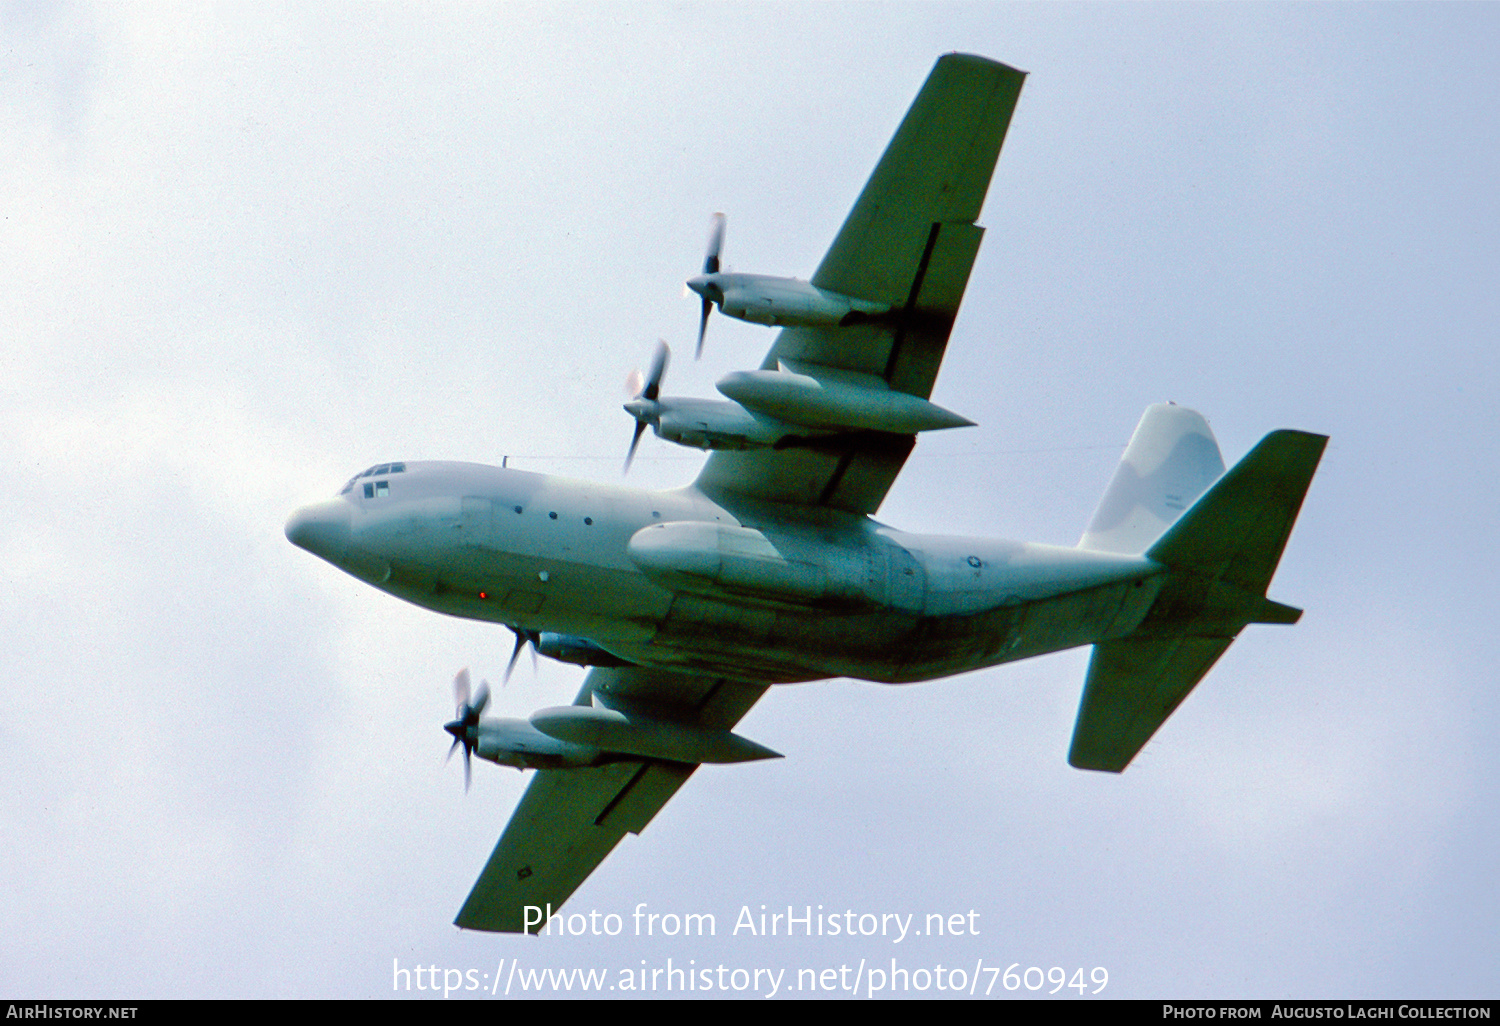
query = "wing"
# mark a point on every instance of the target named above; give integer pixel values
(569, 820)
(909, 242)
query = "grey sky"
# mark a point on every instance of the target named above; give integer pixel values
(249, 252)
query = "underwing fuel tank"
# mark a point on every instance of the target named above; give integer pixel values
(613, 731)
(826, 402)
(701, 556)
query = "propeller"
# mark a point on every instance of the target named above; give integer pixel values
(523, 638)
(710, 266)
(644, 407)
(465, 729)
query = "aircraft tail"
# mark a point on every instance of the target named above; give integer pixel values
(1219, 557)
(1171, 460)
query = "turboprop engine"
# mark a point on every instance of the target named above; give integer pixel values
(643, 737)
(765, 299)
(570, 736)
(793, 405)
(512, 742)
(713, 424)
(566, 648)
(783, 302)
(508, 742)
(701, 423)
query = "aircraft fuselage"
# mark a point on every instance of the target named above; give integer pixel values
(681, 580)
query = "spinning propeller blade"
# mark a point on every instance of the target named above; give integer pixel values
(644, 406)
(523, 638)
(710, 266)
(465, 728)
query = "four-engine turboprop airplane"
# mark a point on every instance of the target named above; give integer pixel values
(687, 604)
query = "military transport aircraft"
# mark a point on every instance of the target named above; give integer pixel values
(687, 604)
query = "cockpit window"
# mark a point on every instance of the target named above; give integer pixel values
(379, 468)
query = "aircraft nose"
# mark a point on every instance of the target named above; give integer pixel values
(322, 529)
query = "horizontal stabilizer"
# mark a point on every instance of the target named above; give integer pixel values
(1133, 685)
(1237, 531)
(1275, 612)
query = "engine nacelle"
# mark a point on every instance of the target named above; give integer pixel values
(763, 299)
(641, 736)
(712, 423)
(566, 648)
(517, 743)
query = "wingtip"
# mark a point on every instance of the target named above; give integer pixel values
(1096, 766)
(976, 58)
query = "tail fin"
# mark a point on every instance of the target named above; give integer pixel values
(1172, 458)
(1219, 556)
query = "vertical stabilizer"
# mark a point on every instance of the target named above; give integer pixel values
(1171, 460)
(1217, 560)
